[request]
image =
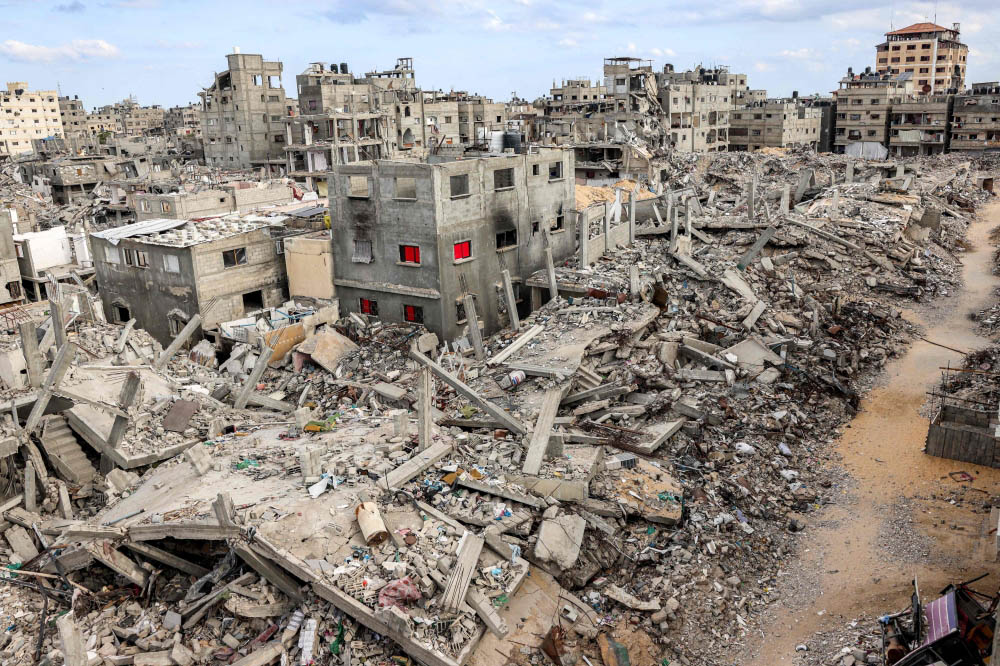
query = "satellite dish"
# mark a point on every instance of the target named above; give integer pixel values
(926, 88)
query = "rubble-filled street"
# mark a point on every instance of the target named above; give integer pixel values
(704, 446)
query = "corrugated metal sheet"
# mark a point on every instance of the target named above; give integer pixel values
(144, 228)
(308, 211)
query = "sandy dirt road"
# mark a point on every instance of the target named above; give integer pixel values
(844, 568)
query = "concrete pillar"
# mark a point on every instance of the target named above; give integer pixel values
(425, 400)
(56, 373)
(32, 358)
(400, 422)
(551, 268)
(900, 170)
(176, 343)
(258, 371)
(633, 200)
(508, 289)
(786, 199)
(849, 173)
(125, 399)
(687, 216)
(752, 198)
(56, 308)
(30, 503)
(633, 281)
(835, 210)
(475, 335)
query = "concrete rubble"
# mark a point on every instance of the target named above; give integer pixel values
(650, 439)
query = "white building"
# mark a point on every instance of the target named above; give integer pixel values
(27, 115)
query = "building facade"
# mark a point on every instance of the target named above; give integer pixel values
(73, 116)
(932, 54)
(975, 123)
(864, 102)
(243, 113)
(26, 115)
(775, 124)
(411, 240)
(163, 272)
(921, 125)
(698, 104)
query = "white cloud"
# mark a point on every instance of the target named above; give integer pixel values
(659, 53)
(763, 67)
(78, 49)
(798, 54)
(567, 42)
(631, 48)
(496, 23)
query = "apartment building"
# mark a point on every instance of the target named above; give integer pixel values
(779, 123)
(243, 113)
(183, 120)
(864, 102)
(575, 96)
(932, 54)
(126, 118)
(26, 115)
(73, 115)
(698, 104)
(163, 272)
(238, 197)
(975, 125)
(920, 125)
(411, 240)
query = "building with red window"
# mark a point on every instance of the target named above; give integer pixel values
(410, 239)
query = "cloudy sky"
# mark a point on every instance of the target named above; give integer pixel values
(165, 51)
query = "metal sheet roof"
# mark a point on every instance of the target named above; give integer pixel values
(143, 228)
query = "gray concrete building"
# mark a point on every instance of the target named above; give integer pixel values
(239, 197)
(74, 117)
(698, 104)
(864, 103)
(163, 272)
(976, 119)
(243, 113)
(411, 240)
(777, 123)
(920, 125)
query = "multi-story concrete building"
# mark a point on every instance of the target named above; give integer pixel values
(26, 115)
(934, 55)
(183, 120)
(126, 118)
(73, 116)
(920, 125)
(575, 96)
(243, 113)
(697, 105)
(163, 272)
(975, 125)
(864, 102)
(411, 240)
(779, 123)
(11, 290)
(240, 197)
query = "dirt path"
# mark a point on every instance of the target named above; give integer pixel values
(845, 568)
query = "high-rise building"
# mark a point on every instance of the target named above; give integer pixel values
(26, 115)
(931, 53)
(243, 114)
(73, 116)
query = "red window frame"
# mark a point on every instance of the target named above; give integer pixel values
(410, 313)
(463, 250)
(368, 306)
(409, 254)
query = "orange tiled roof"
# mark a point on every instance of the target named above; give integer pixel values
(918, 27)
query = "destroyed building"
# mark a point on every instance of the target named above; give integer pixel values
(73, 115)
(242, 115)
(412, 241)
(975, 125)
(51, 255)
(237, 197)
(164, 272)
(775, 124)
(932, 54)
(921, 125)
(698, 105)
(864, 105)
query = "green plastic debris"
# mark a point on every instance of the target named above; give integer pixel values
(339, 640)
(468, 411)
(500, 601)
(246, 462)
(650, 530)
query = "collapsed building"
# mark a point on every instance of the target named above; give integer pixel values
(643, 437)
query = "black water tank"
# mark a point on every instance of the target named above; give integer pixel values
(343, 68)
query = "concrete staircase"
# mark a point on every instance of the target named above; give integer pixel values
(64, 451)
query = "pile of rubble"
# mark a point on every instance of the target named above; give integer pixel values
(645, 444)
